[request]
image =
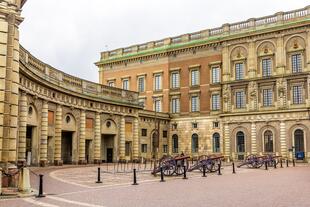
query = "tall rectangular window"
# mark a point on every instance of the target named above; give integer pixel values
(50, 118)
(157, 82)
(267, 97)
(126, 84)
(266, 67)
(144, 132)
(143, 148)
(296, 63)
(215, 75)
(297, 95)
(239, 67)
(240, 99)
(165, 148)
(175, 105)
(157, 106)
(175, 80)
(215, 102)
(194, 104)
(141, 84)
(195, 77)
(127, 148)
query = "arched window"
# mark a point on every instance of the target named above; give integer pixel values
(195, 143)
(240, 142)
(175, 143)
(216, 142)
(268, 141)
(299, 140)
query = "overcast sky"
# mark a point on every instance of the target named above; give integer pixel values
(70, 34)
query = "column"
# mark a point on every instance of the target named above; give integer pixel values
(97, 154)
(22, 128)
(58, 127)
(82, 138)
(135, 138)
(122, 139)
(283, 145)
(253, 138)
(227, 151)
(44, 132)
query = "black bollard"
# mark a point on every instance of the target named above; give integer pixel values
(233, 166)
(40, 195)
(204, 171)
(293, 162)
(266, 166)
(184, 168)
(275, 164)
(286, 162)
(134, 177)
(281, 165)
(161, 175)
(98, 177)
(219, 171)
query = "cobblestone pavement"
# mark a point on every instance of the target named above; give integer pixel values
(281, 187)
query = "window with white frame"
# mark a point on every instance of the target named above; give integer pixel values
(194, 103)
(175, 105)
(141, 84)
(297, 95)
(215, 74)
(296, 63)
(157, 105)
(215, 102)
(126, 84)
(267, 67)
(175, 79)
(267, 97)
(239, 69)
(194, 77)
(111, 83)
(240, 99)
(157, 82)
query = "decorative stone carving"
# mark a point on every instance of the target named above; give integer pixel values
(282, 89)
(226, 98)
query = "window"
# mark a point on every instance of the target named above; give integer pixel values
(165, 148)
(216, 142)
(297, 95)
(299, 140)
(215, 75)
(144, 132)
(195, 77)
(144, 148)
(240, 142)
(127, 148)
(296, 63)
(175, 143)
(239, 71)
(268, 141)
(111, 83)
(266, 67)
(215, 102)
(175, 80)
(157, 82)
(141, 84)
(240, 99)
(165, 134)
(195, 143)
(142, 102)
(174, 126)
(126, 84)
(194, 104)
(157, 105)
(216, 124)
(175, 105)
(267, 97)
(194, 125)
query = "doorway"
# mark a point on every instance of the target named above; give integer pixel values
(87, 150)
(299, 144)
(66, 147)
(29, 142)
(108, 148)
(109, 155)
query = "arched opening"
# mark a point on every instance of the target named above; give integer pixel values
(268, 141)
(175, 143)
(240, 142)
(195, 143)
(299, 143)
(216, 142)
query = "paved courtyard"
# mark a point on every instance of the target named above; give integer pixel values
(75, 186)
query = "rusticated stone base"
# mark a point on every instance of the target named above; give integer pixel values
(21, 163)
(58, 162)
(82, 162)
(97, 162)
(43, 163)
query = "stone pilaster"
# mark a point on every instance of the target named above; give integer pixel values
(253, 139)
(122, 139)
(22, 128)
(283, 144)
(82, 138)
(227, 151)
(44, 133)
(252, 60)
(58, 126)
(280, 57)
(226, 65)
(307, 65)
(135, 138)
(97, 157)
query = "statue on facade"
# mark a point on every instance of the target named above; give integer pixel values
(226, 98)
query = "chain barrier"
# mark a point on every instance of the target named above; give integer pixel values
(7, 174)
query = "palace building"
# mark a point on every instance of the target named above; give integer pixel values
(237, 89)
(242, 88)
